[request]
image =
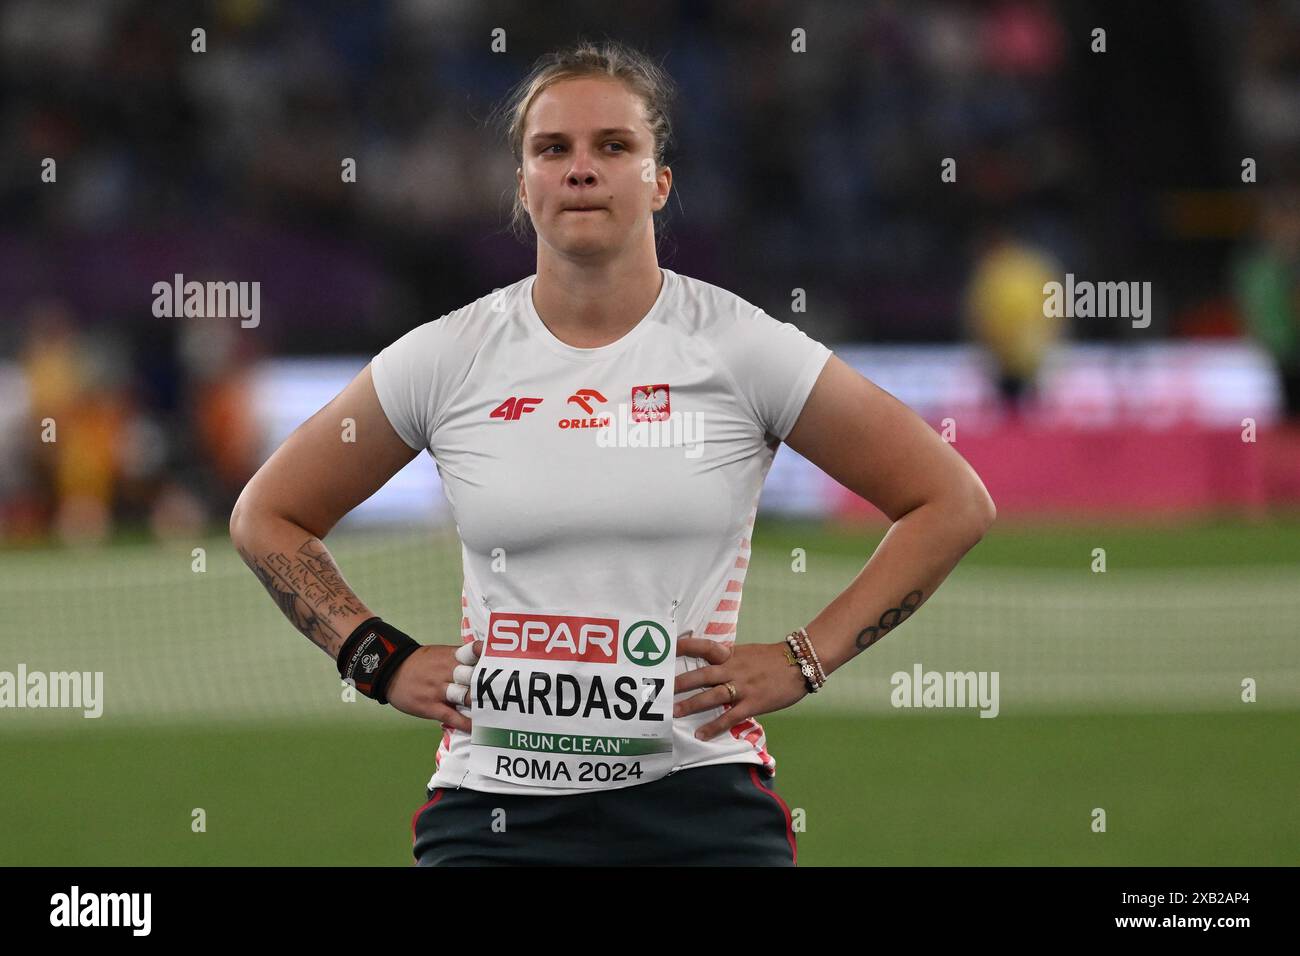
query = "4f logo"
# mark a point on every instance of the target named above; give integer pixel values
(649, 403)
(513, 407)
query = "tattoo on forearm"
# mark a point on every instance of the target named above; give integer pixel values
(888, 621)
(309, 590)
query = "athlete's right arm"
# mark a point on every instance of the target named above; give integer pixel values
(322, 471)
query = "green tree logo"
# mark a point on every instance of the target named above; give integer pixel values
(645, 643)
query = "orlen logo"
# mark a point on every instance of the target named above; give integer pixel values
(513, 407)
(581, 395)
(553, 637)
(583, 398)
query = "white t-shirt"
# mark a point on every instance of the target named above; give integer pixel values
(596, 491)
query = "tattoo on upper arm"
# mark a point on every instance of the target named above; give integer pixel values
(309, 590)
(888, 621)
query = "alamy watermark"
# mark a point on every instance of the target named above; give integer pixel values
(676, 430)
(211, 300)
(83, 690)
(1103, 300)
(76, 908)
(921, 688)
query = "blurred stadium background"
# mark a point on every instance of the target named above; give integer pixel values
(816, 170)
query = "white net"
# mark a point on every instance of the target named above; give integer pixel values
(175, 644)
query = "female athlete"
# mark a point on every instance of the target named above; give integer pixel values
(602, 429)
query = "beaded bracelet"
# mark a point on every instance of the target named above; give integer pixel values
(806, 659)
(817, 662)
(803, 662)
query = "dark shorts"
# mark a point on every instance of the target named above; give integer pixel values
(724, 815)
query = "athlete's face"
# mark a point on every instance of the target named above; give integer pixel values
(586, 144)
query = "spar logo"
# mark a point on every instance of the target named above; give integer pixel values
(645, 643)
(553, 637)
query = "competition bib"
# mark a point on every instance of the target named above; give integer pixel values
(578, 701)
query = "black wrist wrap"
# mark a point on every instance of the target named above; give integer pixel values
(371, 655)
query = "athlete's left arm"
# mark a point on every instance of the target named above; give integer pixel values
(877, 447)
(880, 449)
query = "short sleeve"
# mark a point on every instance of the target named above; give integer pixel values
(406, 380)
(775, 365)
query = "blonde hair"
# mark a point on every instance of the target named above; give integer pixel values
(608, 58)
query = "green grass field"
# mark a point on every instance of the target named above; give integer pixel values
(1119, 691)
(1178, 790)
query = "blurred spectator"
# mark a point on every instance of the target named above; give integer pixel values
(225, 432)
(1268, 289)
(78, 402)
(1004, 311)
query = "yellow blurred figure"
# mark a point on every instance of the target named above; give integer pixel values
(51, 364)
(79, 468)
(90, 437)
(1004, 311)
